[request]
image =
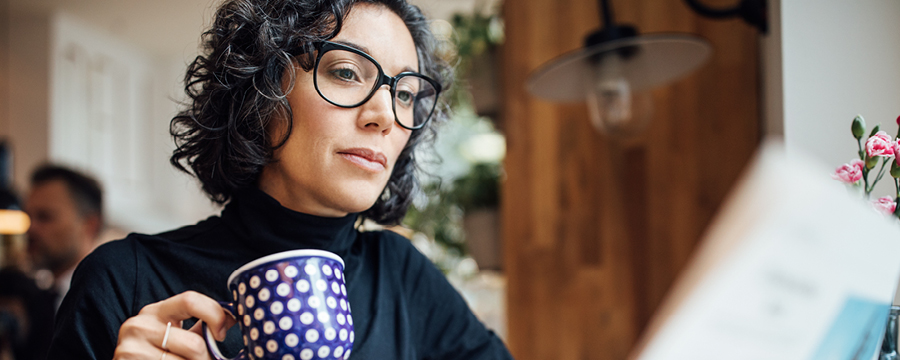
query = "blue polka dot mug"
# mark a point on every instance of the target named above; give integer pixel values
(290, 306)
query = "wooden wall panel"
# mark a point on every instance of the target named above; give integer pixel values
(596, 230)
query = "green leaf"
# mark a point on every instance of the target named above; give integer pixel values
(875, 130)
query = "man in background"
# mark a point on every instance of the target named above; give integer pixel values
(66, 210)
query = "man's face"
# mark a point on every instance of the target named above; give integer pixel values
(58, 231)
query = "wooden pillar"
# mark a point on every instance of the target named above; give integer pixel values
(596, 230)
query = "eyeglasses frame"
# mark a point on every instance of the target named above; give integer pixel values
(383, 79)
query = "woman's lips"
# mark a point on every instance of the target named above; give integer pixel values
(365, 158)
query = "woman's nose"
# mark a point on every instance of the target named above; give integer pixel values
(378, 112)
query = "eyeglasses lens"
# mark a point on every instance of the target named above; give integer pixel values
(346, 78)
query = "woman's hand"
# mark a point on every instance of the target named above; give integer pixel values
(142, 336)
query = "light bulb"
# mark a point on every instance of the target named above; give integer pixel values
(614, 107)
(13, 222)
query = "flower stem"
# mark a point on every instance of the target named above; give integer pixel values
(897, 187)
(880, 174)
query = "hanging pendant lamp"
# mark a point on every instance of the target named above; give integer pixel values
(617, 68)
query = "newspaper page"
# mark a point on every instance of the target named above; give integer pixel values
(795, 266)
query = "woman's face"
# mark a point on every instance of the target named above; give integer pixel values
(337, 160)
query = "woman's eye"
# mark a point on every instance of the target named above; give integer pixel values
(405, 97)
(345, 74)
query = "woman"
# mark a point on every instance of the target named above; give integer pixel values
(304, 118)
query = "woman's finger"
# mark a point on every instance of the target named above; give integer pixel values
(192, 304)
(186, 344)
(133, 350)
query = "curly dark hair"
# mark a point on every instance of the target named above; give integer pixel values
(235, 91)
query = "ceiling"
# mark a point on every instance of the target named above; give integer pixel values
(173, 27)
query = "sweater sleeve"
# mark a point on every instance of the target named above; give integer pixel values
(100, 299)
(445, 326)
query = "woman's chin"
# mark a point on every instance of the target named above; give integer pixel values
(357, 204)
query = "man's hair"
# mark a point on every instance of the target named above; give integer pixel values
(235, 92)
(85, 191)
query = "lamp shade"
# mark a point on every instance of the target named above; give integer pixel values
(647, 61)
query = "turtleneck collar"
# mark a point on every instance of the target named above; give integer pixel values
(269, 227)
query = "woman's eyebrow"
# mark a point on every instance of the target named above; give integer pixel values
(366, 50)
(353, 45)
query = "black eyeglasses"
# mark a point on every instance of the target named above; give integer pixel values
(347, 77)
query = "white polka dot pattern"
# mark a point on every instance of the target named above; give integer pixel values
(291, 340)
(306, 354)
(303, 286)
(276, 308)
(306, 318)
(324, 351)
(264, 294)
(286, 323)
(312, 335)
(283, 290)
(310, 269)
(314, 302)
(272, 275)
(294, 309)
(290, 271)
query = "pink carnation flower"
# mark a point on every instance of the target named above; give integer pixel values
(885, 205)
(880, 144)
(897, 149)
(849, 173)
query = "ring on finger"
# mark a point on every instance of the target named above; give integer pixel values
(166, 339)
(165, 352)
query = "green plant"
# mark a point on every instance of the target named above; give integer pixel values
(474, 34)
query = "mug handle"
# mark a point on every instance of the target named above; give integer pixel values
(211, 340)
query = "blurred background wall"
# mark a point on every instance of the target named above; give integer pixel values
(596, 228)
(93, 84)
(826, 62)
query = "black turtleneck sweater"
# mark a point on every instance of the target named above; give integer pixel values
(403, 307)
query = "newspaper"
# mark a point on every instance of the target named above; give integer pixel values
(795, 266)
